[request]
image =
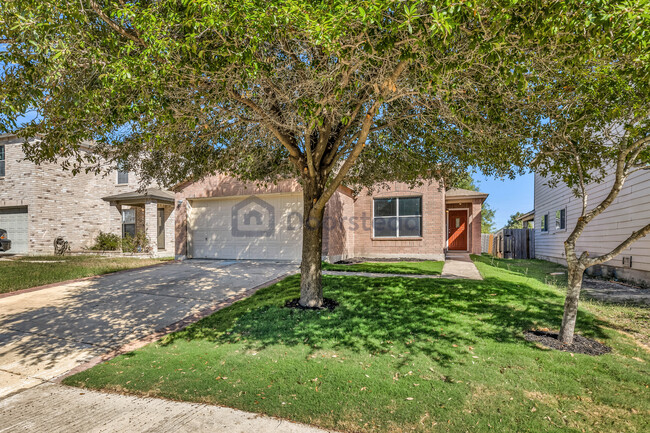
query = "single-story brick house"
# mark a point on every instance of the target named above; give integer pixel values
(221, 217)
(41, 202)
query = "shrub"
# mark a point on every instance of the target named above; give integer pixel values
(107, 242)
(138, 244)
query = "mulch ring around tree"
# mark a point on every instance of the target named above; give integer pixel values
(580, 344)
(328, 304)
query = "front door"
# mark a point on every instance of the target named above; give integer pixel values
(161, 228)
(457, 230)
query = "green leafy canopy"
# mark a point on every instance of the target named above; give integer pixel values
(329, 91)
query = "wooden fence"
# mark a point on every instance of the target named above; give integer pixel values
(510, 244)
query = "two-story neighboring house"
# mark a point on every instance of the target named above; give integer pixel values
(38, 203)
(556, 213)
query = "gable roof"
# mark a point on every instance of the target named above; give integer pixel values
(149, 193)
(528, 216)
(460, 193)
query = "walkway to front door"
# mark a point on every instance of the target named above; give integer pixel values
(460, 265)
(457, 230)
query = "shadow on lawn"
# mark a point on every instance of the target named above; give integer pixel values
(399, 316)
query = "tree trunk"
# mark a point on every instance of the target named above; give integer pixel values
(311, 285)
(575, 271)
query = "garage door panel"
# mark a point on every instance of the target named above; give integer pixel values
(214, 233)
(15, 222)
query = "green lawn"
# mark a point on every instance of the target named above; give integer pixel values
(399, 355)
(422, 268)
(23, 272)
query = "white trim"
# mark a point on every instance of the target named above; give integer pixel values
(466, 209)
(565, 212)
(541, 226)
(117, 177)
(397, 215)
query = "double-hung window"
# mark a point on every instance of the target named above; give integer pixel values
(397, 217)
(560, 219)
(2, 160)
(128, 223)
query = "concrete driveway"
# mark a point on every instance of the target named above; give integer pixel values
(46, 333)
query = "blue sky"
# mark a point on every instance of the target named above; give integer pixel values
(507, 196)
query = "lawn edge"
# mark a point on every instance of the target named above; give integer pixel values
(380, 274)
(76, 280)
(168, 329)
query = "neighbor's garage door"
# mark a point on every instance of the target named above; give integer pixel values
(261, 227)
(14, 221)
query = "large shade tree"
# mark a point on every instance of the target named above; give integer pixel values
(324, 91)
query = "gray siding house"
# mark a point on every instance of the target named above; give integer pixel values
(557, 210)
(41, 202)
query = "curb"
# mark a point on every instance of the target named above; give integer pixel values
(174, 327)
(76, 280)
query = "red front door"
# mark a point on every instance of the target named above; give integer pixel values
(457, 230)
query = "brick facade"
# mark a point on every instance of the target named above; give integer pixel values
(60, 204)
(348, 220)
(431, 245)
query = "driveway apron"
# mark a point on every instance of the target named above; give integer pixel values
(45, 333)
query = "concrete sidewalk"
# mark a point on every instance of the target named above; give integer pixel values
(460, 266)
(55, 408)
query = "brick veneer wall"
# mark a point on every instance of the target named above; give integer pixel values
(338, 237)
(432, 243)
(348, 225)
(59, 204)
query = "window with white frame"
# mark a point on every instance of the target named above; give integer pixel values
(397, 217)
(560, 219)
(128, 223)
(2, 160)
(544, 223)
(122, 175)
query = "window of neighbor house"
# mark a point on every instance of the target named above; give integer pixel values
(544, 223)
(397, 217)
(128, 222)
(560, 219)
(122, 175)
(2, 160)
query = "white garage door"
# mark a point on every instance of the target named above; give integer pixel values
(256, 227)
(14, 221)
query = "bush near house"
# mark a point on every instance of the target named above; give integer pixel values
(138, 244)
(107, 242)
(129, 244)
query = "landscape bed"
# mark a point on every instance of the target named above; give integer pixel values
(398, 355)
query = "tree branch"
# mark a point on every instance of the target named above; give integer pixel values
(98, 10)
(622, 246)
(286, 141)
